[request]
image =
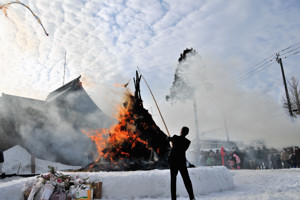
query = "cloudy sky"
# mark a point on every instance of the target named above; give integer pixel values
(105, 41)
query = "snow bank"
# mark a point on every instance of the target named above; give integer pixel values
(156, 183)
(17, 157)
(13, 189)
(142, 184)
(117, 185)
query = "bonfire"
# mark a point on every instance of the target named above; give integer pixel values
(135, 142)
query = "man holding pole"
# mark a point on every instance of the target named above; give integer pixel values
(177, 160)
(177, 157)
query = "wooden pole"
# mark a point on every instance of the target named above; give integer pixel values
(155, 103)
(19, 168)
(32, 163)
(285, 85)
(35, 16)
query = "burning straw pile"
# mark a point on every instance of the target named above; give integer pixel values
(134, 143)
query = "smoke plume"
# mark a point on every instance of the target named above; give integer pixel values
(225, 111)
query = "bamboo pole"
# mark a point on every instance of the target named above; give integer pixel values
(4, 7)
(155, 102)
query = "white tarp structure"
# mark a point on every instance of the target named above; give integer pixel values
(18, 159)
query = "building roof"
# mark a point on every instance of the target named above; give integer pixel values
(72, 85)
(17, 100)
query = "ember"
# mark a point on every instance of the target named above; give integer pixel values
(134, 143)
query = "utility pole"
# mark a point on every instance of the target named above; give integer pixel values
(226, 129)
(278, 59)
(197, 157)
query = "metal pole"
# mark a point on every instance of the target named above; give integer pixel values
(197, 157)
(285, 85)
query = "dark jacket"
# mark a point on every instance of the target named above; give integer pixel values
(177, 154)
(297, 152)
(1, 157)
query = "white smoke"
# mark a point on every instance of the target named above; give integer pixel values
(249, 116)
(50, 131)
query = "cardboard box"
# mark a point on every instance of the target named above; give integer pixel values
(97, 187)
(84, 194)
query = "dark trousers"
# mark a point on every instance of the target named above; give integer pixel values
(186, 179)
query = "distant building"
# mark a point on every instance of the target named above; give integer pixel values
(46, 128)
(216, 144)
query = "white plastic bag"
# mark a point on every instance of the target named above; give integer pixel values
(36, 187)
(47, 190)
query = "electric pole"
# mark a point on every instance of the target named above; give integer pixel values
(226, 129)
(278, 59)
(197, 157)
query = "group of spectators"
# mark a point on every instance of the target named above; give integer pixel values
(252, 158)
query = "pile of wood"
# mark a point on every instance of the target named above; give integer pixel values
(146, 146)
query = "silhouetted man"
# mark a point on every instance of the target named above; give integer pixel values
(177, 162)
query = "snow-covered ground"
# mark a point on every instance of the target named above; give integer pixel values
(249, 184)
(209, 183)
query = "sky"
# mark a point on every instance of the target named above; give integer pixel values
(105, 42)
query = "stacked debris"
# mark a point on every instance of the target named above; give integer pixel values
(134, 143)
(55, 185)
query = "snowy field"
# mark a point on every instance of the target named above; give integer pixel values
(209, 183)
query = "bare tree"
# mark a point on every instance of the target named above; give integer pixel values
(294, 91)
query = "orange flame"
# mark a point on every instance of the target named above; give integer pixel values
(110, 142)
(4, 9)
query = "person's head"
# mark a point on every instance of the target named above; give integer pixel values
(184, 131)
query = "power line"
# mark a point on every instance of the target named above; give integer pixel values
(263, 64)
(253, 72)
(276, 84)
(250, 70)
(294, 73)
(291, 46)
(293, 49)
(291, 54)
(279, 82)
(289, 51)
(259, 117)
(213, 130)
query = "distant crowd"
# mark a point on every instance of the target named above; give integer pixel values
(252, 158)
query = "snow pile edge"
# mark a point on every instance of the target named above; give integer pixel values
(156, 183)
(141, 184)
